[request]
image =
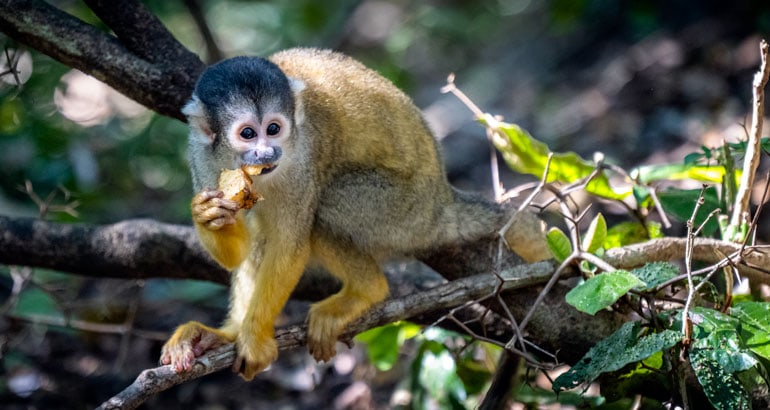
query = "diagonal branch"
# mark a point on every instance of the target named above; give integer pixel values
(138, 29)
(152, 381)
(161, 83)
(213, 52)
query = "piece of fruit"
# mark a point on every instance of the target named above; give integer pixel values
(237, 186)
(254, 169)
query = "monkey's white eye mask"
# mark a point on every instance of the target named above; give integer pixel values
(259, 140)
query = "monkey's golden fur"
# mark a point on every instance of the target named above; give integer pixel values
(361, 179)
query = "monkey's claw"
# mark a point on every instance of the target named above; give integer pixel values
(189, 341)
(254, 355)
(322, 333)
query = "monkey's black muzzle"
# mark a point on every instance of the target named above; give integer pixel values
(263, 156)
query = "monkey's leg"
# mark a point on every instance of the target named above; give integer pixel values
(191, 340)
(363, 284)
(260, 290)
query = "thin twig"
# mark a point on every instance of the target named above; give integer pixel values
(450, 87)
(599, 262)
(688, 266)
(538, 189)
(497, 186)
(499, 292)
(659, 207)
(762, 201)
(93, 327)
(213, 51)
(13, 61)
(547, 288)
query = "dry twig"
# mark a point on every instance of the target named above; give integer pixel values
(751, 161)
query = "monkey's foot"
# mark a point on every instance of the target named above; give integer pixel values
(189, 341)
(256, 350)
(326, 322)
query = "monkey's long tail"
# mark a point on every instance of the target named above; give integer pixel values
(470, 217)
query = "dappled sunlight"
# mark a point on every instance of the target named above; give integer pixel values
(23, 67)
(88, 102)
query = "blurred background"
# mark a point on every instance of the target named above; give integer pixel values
(642, 81)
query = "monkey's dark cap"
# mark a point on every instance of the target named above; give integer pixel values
(244, 80)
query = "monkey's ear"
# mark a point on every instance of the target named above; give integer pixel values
(297, 86)
(196, 117)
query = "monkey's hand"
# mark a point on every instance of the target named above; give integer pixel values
(192, 340)
(212, 211)
(256, 350)
(221, 230)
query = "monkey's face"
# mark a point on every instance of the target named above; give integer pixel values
(243, 112)
(259, 137)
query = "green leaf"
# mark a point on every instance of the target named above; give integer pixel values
(628, 233)
(703, 173)
(558, 244)
(730, 182)
(647, 378)
(437, 376)
(655, 273)
(723, 390)
(587, 269)
(384, 342)
(595, 235)
(475, 366)
(525, 154)
(602, 291)
(624, 346)
(716, 335)
(694, 157)
(755, 326)
(642, 197)
(680, 204)
(34, 301)
(708, 321)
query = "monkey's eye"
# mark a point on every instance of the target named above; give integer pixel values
(273, 129)
(248, 133)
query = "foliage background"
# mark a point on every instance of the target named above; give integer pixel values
(642, 81)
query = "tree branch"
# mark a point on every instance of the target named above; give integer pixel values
(152, 381)
(132, 249)
(144, 248)
(498, 393)
(137, 28)
(704, 250)
(160, 82)
(213, 52)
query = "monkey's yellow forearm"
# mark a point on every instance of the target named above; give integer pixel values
(228, 245)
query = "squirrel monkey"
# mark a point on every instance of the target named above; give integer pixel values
(352, 175)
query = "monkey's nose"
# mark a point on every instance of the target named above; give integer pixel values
(268, 155)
